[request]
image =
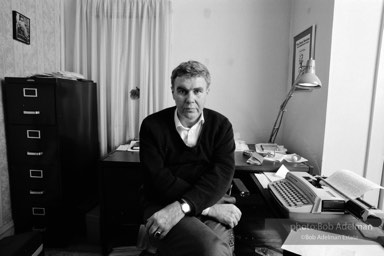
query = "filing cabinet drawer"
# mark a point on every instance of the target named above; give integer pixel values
(33, 144)
(36, 183)
(30, 104)
(54, 222)
(33, 217)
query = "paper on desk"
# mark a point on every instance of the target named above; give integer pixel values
(271, 148)
(282, 172)
(129, 147)
(310, 242)
(272, 176)
(276, 157)
(350, 183)
(267, 177)
(290, 158)
(263, 180)
(241, 145)
(123, 147)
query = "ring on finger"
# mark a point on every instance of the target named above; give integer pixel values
(157, 234)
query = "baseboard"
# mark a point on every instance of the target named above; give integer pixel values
(7, 230)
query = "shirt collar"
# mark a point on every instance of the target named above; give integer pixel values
(180, 125)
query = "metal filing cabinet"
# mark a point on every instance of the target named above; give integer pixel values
(53, 149)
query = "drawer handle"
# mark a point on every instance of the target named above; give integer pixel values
(39, 211)
(27, 112)
(34, 192)
(33, 134)
(34, 153)
(30, 92)
(35, 173)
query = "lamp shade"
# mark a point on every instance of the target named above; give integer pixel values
(309, 78)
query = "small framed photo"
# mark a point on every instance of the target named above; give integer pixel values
(21, 28)
(303, 48)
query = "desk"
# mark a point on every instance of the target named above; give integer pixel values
(263, 225)
(120, 178)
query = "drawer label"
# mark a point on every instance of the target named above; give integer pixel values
(36, 173)
(33, 134)
(30, 92)
(38, 211)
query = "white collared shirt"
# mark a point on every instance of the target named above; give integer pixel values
(189, 135)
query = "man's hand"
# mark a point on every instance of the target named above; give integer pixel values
(227, 214)
(161, 222)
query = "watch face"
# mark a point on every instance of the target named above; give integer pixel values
(185, 207)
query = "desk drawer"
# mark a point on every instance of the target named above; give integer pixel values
(30, 103)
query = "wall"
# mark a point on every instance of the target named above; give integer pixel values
(18, 59)
(245, 45)
(303, 129)
(352, 83)
(336, 126)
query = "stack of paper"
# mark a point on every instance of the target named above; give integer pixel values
(133, 146)
(270, 148)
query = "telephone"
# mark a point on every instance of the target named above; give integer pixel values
(300, 192)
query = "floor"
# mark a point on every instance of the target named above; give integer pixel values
(78, 246)
(85, 246)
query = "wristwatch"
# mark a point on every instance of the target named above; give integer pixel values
(185, 207)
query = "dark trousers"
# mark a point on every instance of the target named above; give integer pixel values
(194, 236)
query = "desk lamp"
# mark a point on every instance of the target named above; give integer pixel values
(306, 79)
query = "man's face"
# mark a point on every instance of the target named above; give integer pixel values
(190, 95)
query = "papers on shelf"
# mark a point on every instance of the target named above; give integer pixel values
(59, 74)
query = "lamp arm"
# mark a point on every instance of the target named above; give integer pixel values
(279, 119)
(311, 80)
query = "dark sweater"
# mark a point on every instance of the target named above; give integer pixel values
(200, 174)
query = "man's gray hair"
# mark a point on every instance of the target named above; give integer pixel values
(191, 69)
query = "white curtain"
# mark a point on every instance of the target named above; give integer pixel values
(121, 45)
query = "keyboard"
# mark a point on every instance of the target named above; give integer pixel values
(290, 197)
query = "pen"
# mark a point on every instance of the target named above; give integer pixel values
(262, 148)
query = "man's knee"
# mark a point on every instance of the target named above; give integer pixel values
(216, 247)
(201, 247)
(193, 237)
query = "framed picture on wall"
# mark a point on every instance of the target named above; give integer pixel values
(303, 49)
(21, 27)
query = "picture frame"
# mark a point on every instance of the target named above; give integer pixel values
(21, 28)
(303, 50)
